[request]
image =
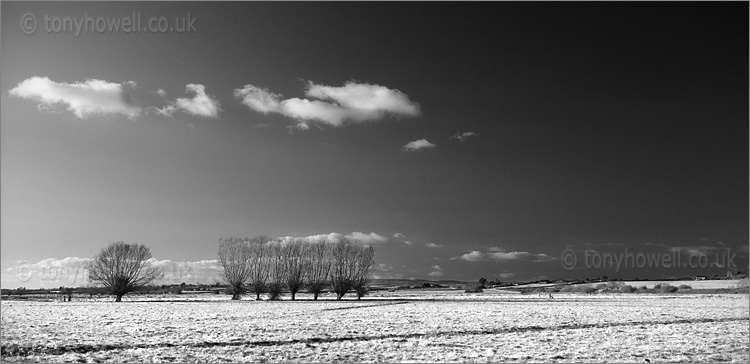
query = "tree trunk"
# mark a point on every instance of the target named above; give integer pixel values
(293, 294)
(257, 296)
(315, 296)
(119, 298)
(235, 297)
(339, 296)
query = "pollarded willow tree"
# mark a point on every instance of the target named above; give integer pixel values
(295, 264)
(259, 264)
(351, 268)
(276, 269)
(365, 262)
(234, 257)
(122, 268)
(318, 261)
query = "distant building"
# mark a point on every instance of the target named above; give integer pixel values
(700, 278)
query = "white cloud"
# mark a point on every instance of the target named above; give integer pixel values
(417, 145)
(161, 92)
(382, 267)
(433, 245)
(436, 273)
(472, 256)
(331, 237)
(72, 272)
(334, 106)
(463, 136)
(495, 249)
(201, 104)
(408, 242)
(371, 238)
(509, 255)
(506, 275)
(84, 99)
(399, 236)
(259, 99)
(436, 267)
(476, 256)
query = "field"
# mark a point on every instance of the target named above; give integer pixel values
(434, 326)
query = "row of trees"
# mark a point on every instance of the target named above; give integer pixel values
(260, 264)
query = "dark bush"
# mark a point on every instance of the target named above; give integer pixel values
(684, 286)
(627, 289)
(473, 288)
(667, 288)
(579, 288)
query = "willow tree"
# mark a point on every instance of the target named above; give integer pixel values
(259, 261)
(317, 266)
(295, 264)
(344, 267)
(365, 261)
(276, 269)
(234, 257)
(122, 268)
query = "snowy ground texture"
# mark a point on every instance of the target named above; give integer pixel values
(390, 327)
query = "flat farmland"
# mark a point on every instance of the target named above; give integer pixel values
(444, 326)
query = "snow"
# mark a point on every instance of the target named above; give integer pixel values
(402, 326)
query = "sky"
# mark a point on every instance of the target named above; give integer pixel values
(510, 141)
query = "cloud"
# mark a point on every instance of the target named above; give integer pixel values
(259, 99)
(472, 256)
(503, 256)
(385, 271)
(72, 272)
(463, 136)
(476, 256)
(417, 145)
(84, 99)
(161, 92)
(506, 275)
(329, 105)
(331, 237)
(495, 249)
(436, 273)
(201, 104)
(399, 236)
(408, 242)
(382, 267)
(433, 245)
(371, 238)
(436, 267)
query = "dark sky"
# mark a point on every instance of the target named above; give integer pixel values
(602, 126)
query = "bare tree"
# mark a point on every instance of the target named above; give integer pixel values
(276, 269)
(344, 268)
(295, 264)
(234, 257)
(365, 261)
(122, 268)
(318, 266)
(259, 264)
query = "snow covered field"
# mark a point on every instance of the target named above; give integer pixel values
(433, 326)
